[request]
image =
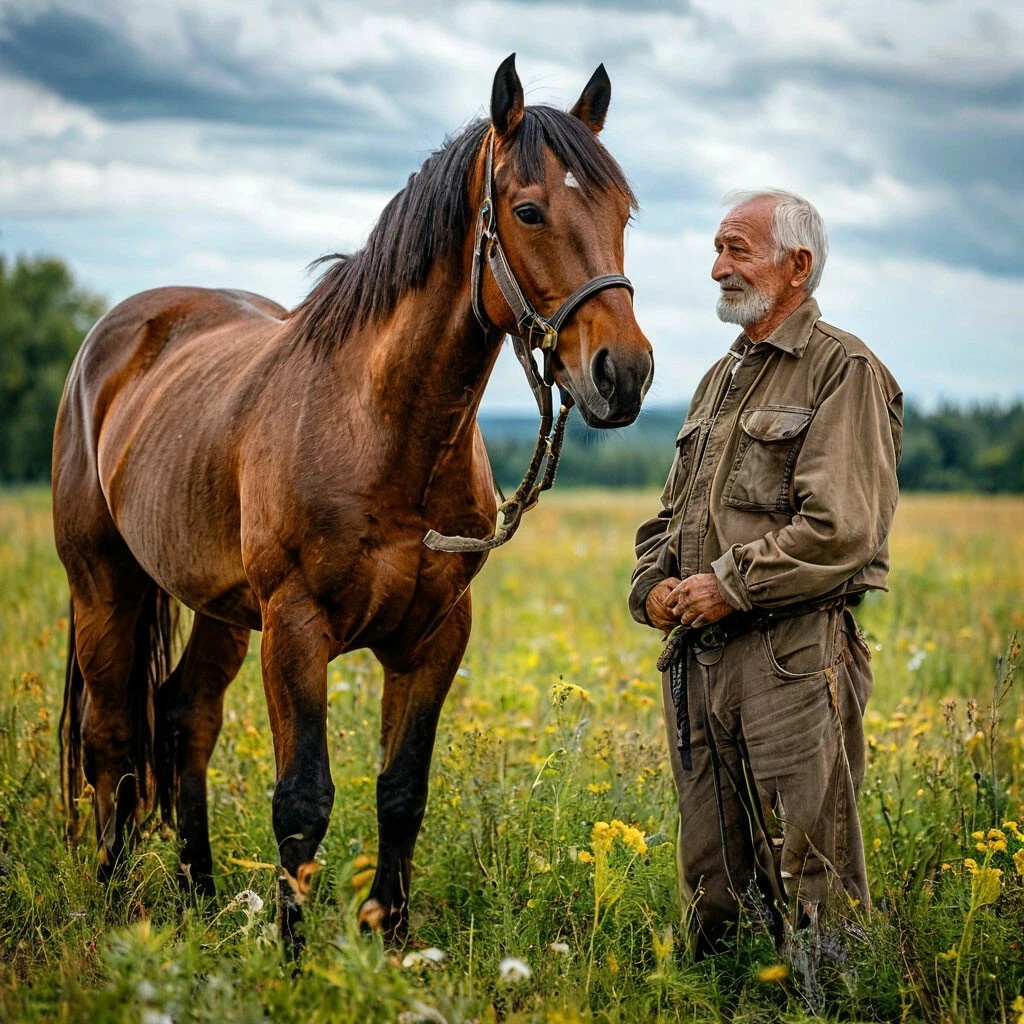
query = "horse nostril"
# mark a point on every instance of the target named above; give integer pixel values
(602, 369)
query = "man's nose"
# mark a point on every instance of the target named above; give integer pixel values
(721, 268)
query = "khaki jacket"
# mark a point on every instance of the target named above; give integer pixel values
(784, 477)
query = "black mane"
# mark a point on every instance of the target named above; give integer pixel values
(431, 216)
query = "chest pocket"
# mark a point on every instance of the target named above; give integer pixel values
(762, 470)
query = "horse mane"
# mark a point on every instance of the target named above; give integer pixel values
(430, 217)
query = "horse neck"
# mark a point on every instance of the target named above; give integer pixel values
(428, 363)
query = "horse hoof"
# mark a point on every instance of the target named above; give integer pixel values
(390, 922)
(372, 916)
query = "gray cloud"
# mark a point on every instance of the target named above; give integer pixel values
(94, 62)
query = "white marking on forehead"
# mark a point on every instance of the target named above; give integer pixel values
(570, 180)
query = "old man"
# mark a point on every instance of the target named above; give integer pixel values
(774, 522)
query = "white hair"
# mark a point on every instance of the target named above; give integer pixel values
(796, 224)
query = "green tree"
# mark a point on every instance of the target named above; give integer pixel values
(44, 316)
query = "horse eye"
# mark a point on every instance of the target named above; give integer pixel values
(529, 214)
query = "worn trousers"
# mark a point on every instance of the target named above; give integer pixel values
(770, 801)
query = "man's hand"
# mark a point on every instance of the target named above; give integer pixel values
(695, 601)
(660, 605)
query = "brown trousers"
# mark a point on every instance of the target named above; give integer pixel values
(781, 715)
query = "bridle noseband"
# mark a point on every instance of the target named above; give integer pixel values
(532, 331)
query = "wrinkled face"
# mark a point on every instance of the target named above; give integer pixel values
(557, 238)
(751, 281)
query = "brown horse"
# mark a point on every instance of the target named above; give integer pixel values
(277, 471)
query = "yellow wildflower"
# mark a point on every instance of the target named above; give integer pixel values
(561, 691)
(602, 836)
(774, 973)
(1018, 1008)
(1018, 863)
(985, 886)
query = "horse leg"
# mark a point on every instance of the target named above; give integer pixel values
(188, 720)
(295, 652)
(118, 620)
(414, 691)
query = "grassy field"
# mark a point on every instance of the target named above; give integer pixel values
(549, 835)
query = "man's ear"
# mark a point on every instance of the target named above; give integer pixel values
(506, 97)
(592, 106)
(803, 263)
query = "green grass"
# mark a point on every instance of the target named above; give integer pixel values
(554, 723)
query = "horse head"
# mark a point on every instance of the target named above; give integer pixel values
(553, 217)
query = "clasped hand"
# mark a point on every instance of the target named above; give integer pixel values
(695, 601)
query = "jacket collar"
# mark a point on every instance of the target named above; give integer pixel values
(792, 335)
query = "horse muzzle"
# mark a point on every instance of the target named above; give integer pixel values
(613, 387)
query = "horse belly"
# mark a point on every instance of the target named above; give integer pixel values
(164, 474)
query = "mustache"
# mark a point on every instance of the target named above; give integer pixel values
(734, 281)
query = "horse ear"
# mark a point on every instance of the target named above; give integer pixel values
(506, 97)
(592, 106)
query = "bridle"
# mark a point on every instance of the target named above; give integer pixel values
(532, 331)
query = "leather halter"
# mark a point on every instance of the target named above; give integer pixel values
(530, 324)
(532, 331)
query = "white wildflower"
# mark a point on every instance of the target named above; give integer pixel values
(421, 1013)
(431, 957)
(144, 991)
(512, 969)
(249, 901)
(561, 948)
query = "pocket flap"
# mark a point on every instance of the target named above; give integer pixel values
(686, 430)
(771, 423)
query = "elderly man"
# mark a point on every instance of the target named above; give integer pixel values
(774, 521)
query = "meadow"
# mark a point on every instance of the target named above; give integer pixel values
(545, 872)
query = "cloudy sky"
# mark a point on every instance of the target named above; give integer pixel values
(222, 142)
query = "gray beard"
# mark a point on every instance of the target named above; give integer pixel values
(747, 308)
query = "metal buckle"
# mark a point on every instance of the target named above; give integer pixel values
(709, 645)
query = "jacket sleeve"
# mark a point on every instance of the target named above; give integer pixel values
(844, 493)
(653, 538)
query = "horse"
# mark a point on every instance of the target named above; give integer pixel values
(276, 470)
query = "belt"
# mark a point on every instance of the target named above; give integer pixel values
(713, 637)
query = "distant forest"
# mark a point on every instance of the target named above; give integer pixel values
(968, 449)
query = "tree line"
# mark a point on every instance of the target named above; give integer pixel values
(44, 315)
(972, 448)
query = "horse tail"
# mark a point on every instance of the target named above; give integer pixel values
(72, 777)
(155, 631)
